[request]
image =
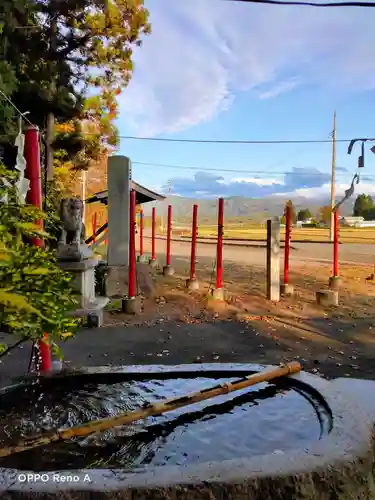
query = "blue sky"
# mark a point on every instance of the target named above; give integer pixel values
(225, 71)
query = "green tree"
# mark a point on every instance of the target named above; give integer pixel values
(59, 50)
(324, 214)
(35, 295)
(304, 214)
(363, 206)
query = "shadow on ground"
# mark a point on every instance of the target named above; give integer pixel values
(181, 327)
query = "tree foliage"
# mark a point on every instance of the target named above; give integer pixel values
(304, 214)
(324, 214)
(35, 295)
(364, 207)
(71, 58)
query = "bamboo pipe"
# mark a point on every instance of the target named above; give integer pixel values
(151, 409)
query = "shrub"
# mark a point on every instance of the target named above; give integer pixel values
(35, 294)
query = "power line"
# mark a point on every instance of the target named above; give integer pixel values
(235, 171)
(307, 4)
(218, 141)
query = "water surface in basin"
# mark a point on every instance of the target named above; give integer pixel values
(266, 418)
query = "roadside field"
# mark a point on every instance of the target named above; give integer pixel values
(253, 233)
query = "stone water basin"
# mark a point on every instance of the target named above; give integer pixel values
(289, 426)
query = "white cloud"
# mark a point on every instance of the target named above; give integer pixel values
(202, 52)
(325, 190)
(280, 88)
(257, 181)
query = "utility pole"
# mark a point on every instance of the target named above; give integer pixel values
(333, 181)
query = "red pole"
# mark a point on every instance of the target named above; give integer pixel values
(141, 233)
(34, 197)
(219, 257)
(336, 244)
(169, 233)
(288, 227)
(106, 236)
(132, 224)
(193, 242)
(33, 174)
(153, 253)
(94, 226)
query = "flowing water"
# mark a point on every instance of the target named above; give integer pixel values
(266, 418)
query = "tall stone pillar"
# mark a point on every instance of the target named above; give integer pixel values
(119, 186)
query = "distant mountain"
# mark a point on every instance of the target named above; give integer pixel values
(258, 209)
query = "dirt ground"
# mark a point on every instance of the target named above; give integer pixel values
(177, 326)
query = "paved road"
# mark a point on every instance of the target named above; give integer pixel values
(348, 253)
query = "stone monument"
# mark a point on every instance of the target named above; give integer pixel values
(74, 256)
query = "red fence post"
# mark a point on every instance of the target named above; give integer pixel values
(132, 225)
(153, 237)
(168, 269)
(34, 197)
(336, 245)
(288, 224)
(93, 223)
(130, 305)
(141, 234)
(335, 280)
(218, 293)
(192, 282)
(286, 288)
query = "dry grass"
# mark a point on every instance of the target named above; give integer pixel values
(347, 234)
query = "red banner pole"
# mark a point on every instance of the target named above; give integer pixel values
(141, 233)
(193, 242)
(132, 265)
(94, 226)
(106, 236)
(34, 197)
(336, 245)
(288, 225)
(169, 234)
(219, 258)
(153, 235)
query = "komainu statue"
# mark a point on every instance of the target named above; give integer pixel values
(72, 246)
(71, 213)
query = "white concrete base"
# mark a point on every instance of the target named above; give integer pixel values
(217, 293)
(131, 305)
(168, 271)
(142, 258)
(335, 282)
(153, 263)
(93, 311)
(286, 290)
(327, 297)
(192, 284)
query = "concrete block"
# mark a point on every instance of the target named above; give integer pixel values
(142, 258)
(217, 293)
(286, 290)
(168, 271)
(327, 297)
(153, 263)
(93, 312)
(131, 305)
(192, 284)
(335, 282)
